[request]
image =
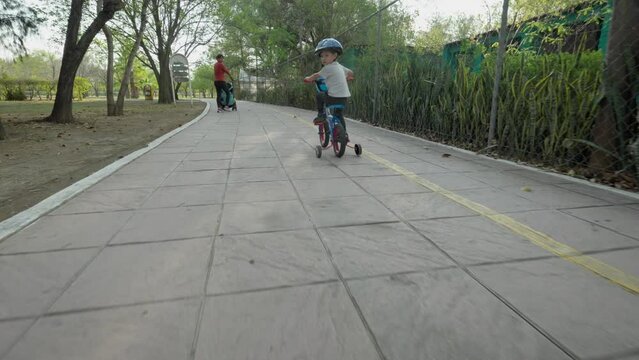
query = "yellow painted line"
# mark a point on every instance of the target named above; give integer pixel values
(612, 274)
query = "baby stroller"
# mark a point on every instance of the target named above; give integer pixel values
(231, 100)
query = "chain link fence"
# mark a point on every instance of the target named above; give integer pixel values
(562, 90)
(614, 137)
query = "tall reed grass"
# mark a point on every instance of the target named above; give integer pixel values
(545, 102)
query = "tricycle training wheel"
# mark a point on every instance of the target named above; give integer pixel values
(318, 151)
(358, 149)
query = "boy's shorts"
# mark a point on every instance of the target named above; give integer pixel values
(329, 100)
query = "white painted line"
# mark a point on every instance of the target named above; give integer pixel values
(26, 217)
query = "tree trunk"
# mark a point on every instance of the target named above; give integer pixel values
(73, 54)
(128, 70)
(109, 73)
(111, 111)
(166, 28)
(165, 95)
(63, 104)
(615, 125)
(135, 92)
(50, 88)
(3, 134)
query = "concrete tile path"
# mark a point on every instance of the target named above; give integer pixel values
(232, 241)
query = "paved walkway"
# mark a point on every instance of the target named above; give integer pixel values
(232, 241)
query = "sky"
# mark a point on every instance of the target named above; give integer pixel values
(423, 10)
(426, 9)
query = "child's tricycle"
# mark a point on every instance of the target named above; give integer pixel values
(331, 130)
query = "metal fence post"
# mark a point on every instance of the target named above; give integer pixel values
(376, 106)
(499, 66)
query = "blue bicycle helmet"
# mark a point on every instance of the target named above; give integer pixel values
(329, 44)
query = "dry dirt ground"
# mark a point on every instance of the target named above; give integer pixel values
(39, 158)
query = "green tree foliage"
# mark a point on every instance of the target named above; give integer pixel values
(522, 10)
(175, 26)
(269, 32)
(16, 22)
(203, 80)
(93, 68)
(563, 20)
(526, 9)
(33, 75)
(76, 45)
(81, 87)
(543, 19)
(443, 30)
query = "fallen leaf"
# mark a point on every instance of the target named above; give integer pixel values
(526, 189)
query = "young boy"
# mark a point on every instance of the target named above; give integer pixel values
(220, 81)
(336, 77)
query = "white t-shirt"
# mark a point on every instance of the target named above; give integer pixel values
(335, 75)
